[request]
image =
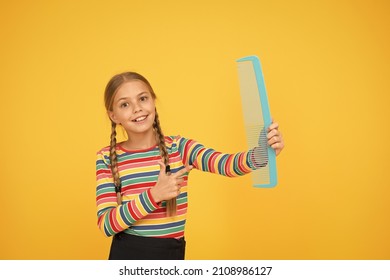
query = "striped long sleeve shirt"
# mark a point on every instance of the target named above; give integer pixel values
(139, 214)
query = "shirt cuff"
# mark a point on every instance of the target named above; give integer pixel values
(151, 199)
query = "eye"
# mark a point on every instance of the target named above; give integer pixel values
(124, 105)
(143, 98)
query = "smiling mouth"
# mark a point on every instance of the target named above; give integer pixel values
(140, 119)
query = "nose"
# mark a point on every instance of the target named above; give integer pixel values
(137, 107)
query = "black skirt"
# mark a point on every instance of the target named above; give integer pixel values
(131, 247)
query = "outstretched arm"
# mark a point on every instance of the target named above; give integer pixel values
(231, 165)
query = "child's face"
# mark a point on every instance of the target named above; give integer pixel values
(134, 107)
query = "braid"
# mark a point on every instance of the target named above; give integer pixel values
(171, 204)
(114, 164)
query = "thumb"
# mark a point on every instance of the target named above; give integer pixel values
(162, 167)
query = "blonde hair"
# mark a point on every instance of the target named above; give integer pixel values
(109, 95)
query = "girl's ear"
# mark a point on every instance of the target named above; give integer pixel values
(112, 116)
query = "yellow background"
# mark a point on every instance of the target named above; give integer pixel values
(326, 67)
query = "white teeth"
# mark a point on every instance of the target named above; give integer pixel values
(140, 119)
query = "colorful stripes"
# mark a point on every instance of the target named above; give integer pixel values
(138, 170)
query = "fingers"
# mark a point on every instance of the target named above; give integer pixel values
(179, 181)
(178, 190)
(178, 177)
(181, 172)
(273, 134)
(168, 185)
(277, 146)
(275, 138)
(273, 125)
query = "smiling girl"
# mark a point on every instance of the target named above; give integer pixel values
(141, 192)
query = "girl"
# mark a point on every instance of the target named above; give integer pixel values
(141, 192)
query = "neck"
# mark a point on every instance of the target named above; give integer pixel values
(140, 141)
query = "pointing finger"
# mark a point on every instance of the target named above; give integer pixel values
(186, 169)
